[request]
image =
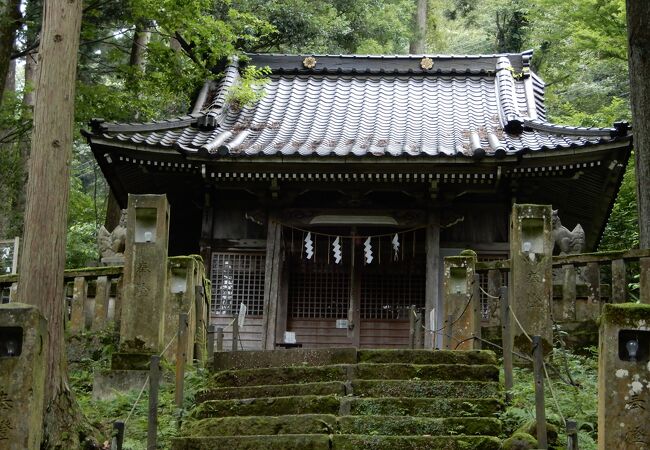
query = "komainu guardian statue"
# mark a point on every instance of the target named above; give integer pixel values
(568, 242)
(111, 245)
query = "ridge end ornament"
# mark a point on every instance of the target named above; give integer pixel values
(309, 62)
(426, 63)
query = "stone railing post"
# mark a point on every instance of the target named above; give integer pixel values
(531, 274)
(459, 299)
(623, 394)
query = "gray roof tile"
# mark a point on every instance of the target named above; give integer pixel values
(349, 105)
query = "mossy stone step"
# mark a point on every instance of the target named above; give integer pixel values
(343, 372)
(272, 442)
(280, 375)
(424, 388)
(258, 359)
(331, 424)
(427, 407)
(258, 425)
(427, 356)
(403, 371)
(367, 442)
(273, 390)
(269, 406)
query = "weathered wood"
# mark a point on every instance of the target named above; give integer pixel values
(506, 341)
(431, 297)
(412, 327)
(78, 310)
(644, 280)
(572, 435)
(219, 339)
(493, 286)
(601, 257)
(272, 284)
(476, 310)
(118, 435)
(538, 373)
(568, 293)
(102, 293)
(152, 419)
(619, 283)
(235, 335)
(212, 331)
(591, 275)
(418, 335)
(181, 357)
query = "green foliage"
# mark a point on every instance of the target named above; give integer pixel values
(577, 402)
(248, 89)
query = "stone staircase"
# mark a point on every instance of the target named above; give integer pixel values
(344, 399)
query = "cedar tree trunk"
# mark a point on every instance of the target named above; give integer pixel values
(9, 23)
(43, 258)
(638, 33)
(418, 41)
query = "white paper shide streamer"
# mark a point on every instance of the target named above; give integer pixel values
(367, 250)
(309, 246)
(395, 242)
(336, 250)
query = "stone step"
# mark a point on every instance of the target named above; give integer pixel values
(337, 442)
(333, 404)
(331, 424)
(343, 372)
(427, 356)
(425, 407)
(273, 390)
(368, 442)
(269, 406)
(427, 389)
(332, 356)
(361, 388)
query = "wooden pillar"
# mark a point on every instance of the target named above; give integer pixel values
(283, 305)
(273, 270)
(476, 307)
(354, 312)
(431, 301)
(644, 280)
(207, 233)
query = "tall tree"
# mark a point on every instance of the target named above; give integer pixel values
(9, 23)
(638, 32)
(419, 38)
(43, 258)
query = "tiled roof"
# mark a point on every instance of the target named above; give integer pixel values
(370, 106)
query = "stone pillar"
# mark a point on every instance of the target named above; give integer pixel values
(531, 274)
(23, 337)
(623, 389)
(459, 300)
(142, 320)
(180, 298)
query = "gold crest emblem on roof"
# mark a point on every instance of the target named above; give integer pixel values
(309, 62)
(426, 63)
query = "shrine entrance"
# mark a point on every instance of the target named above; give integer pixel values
(360, 300)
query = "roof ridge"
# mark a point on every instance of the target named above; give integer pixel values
(509, 114)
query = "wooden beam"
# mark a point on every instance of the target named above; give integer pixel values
(431, 300)
(273, 269)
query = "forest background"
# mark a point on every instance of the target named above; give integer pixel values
(146, 59)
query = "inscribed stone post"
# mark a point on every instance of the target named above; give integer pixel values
(624, 377)
(23, 337)
(145, 275)
(180, 298)
(531, 275)
(458, 300)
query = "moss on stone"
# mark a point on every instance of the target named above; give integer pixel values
(269, 406)
(279, 375)
(400, 425)
(460, 372)
(368, 442)
(423, 388)
(282, 358)
(261, 425)
(279, 442)
(520, 441)
(626, 314)
(279, 390)
(427, 356)
(427, 407)
(130, 361)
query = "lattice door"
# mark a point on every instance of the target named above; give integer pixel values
(238, 278)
